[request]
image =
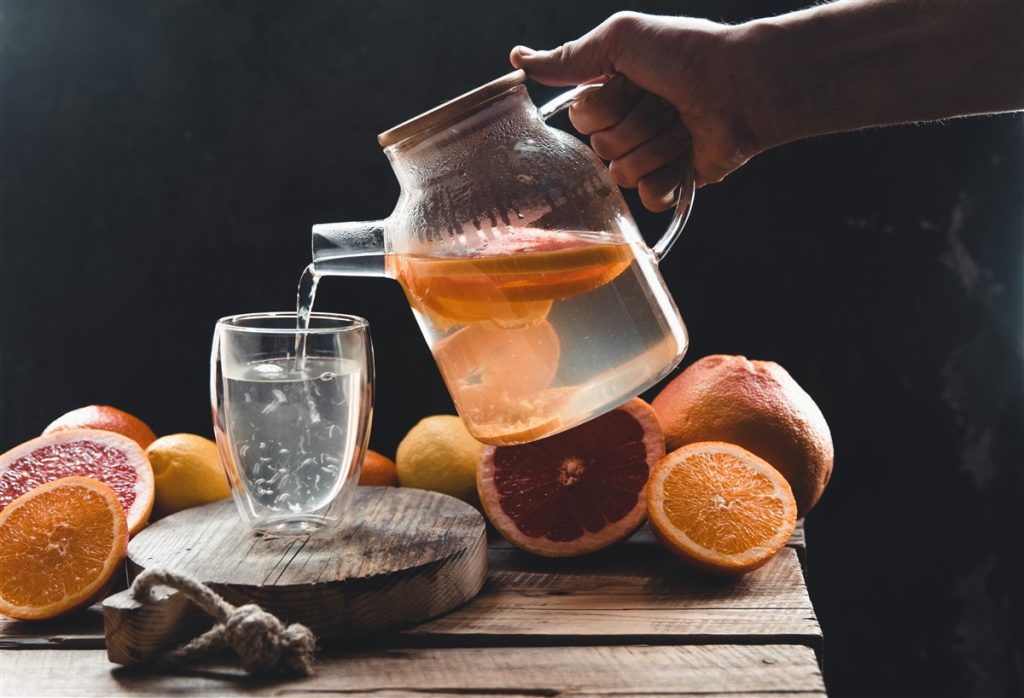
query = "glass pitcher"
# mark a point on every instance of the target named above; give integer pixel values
(540, 301)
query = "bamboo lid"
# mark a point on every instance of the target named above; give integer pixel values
(450, 110)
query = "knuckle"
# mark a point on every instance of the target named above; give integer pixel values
(600, 146)
(582, 118)
(623, 21)
(624, 174)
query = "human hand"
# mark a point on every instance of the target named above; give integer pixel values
(672, 99)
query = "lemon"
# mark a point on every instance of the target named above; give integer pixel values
(439, 454)
(187, 472)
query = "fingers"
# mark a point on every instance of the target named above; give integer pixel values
(652, 155)
(649, 116)
(590, 57)
(605, 107)
(658, 189)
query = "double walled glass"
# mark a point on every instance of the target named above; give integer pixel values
(291, 412)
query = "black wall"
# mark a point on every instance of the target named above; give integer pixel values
(161, 163)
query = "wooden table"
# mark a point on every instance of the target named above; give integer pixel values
(627, 621)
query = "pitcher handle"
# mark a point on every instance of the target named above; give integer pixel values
(684, 194)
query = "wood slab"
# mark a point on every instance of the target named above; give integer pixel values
(736, 671)
(400, 557)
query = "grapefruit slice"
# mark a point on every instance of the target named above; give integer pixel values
(102, 455)
(60, 545)
(719, 507)
(576, 492)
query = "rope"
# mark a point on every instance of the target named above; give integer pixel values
(263, 644)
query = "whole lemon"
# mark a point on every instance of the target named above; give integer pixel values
(187, 472)
(439, 454)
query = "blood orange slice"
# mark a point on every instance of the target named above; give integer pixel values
(102, 455)
(60, 544)
(575, 492)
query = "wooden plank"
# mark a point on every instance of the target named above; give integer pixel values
(80, 630)
(638, 593)
(635, 592)
(714, 670)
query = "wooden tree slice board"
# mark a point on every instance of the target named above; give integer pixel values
(400, 556)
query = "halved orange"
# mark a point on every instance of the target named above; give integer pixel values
(720, 507)
(60, 544)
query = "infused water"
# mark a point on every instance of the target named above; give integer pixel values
(542, 330)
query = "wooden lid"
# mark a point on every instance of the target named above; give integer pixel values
(450, 110)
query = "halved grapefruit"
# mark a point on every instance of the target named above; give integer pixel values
(576, 492)
(102, 455)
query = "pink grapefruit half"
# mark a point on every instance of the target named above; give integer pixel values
(576, 492)
(106, 456)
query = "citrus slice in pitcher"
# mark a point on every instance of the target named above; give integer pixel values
(500, 378)
(514, 280)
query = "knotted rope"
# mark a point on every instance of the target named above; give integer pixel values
(261, 641)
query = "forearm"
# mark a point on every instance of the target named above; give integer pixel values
(860, 63)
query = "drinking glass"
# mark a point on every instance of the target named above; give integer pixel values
(291, 412)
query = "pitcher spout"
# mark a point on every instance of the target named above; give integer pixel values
(349, 249)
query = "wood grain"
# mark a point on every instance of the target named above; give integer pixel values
(635, 591)
(404, 556)
(641, 594)
(616, 670)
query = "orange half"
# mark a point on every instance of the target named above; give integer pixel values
(720, 507)
(60, 545)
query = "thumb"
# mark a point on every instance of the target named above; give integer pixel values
(590, 57)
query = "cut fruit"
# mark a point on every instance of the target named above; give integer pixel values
(515, 280)
(106, 418)
(498, 378)
(576, 492)
(103, 455)
(60, 545)
(720, 507)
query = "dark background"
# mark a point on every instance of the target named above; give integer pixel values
(161, 164)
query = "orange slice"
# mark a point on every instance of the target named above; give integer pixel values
(720, 507)
(60, 544)
(513, 283)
